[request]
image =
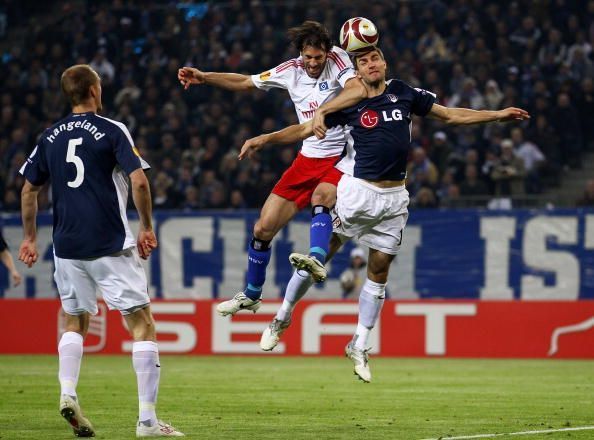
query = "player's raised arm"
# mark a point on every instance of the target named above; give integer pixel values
(466, 116)
(353, 93)
(28, 250)
(290, 134)
(230, 81)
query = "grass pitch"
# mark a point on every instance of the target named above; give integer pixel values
(305, 398)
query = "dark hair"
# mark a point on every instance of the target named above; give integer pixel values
(76, 81)
(356, 57)
(310, 33)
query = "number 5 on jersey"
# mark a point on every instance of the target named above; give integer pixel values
(71, 157)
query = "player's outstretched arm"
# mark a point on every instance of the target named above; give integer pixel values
(290, 134)
(28, 250)
(354, 92)
(466, 116)
(141, 194)
(230, 81)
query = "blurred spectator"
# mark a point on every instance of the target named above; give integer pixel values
(479, 54)
(508, 173)
(588, 198)
(420, 171)
(440, 151)
(425, 198)
(472, 186)
(352, 278)
(533, 159)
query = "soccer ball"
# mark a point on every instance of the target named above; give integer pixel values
(358, 35)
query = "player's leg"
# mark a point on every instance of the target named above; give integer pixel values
(322, 201)
(124, 286)
(147, 366)
(276, 213)
(77, 294)
(384, 212)
(297, 287)
(371, 301)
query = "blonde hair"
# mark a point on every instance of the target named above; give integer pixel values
(76, 82)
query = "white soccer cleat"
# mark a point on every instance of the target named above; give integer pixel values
(160, 429)
(272, 334)
(237, 303)
(360, 359)
(70, 410)
(309, 264)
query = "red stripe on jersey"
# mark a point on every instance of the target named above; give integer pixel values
(285, 67)
(341, 65)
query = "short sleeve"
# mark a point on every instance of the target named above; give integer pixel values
(336, 119)
(280, 77)
(35, 169)
(422, 101)
(126, 153)
(341, 65)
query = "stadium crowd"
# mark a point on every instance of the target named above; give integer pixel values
(481, 54)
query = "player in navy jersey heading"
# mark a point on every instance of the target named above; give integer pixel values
(88, 159)
(372, 199)
(316, 76)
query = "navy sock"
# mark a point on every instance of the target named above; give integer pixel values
(258, 259)
(320, 232)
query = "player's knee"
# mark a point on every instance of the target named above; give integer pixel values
(264, 230)
(324, 198)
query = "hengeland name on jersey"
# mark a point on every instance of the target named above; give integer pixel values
(71, 125)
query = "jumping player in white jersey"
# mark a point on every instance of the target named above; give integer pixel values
(88, 159)
(372, 199)
(315, 77)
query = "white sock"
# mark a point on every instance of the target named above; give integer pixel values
(298, 286)
(371, 301)
(70, 350)
(145, 358)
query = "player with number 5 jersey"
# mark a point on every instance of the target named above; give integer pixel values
(88, 159)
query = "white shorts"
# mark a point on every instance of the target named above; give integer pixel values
(119, 278)
(375, 216)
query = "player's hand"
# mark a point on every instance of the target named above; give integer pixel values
(319, 127)
(28, 252)
(16, 278)
(190, 75)
(146, 242)
(512, 114)
(251, 146)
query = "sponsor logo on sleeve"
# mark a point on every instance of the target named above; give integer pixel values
(135, 151)
(265, 75)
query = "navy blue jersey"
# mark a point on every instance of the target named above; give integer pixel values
(87, 159)
(378, 139)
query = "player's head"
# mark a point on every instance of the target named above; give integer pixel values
(313, 41)
(371, 66)
(82, 85)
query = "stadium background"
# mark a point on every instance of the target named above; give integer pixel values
(477, 232)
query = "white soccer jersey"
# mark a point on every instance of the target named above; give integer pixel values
(309, 93)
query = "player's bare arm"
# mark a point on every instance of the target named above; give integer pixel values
(290, 134)
(188, 76)
(28, 250)
(466, 116)
(141, 195)
(354, 92)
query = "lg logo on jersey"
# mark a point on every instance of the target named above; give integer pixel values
(370, 118)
